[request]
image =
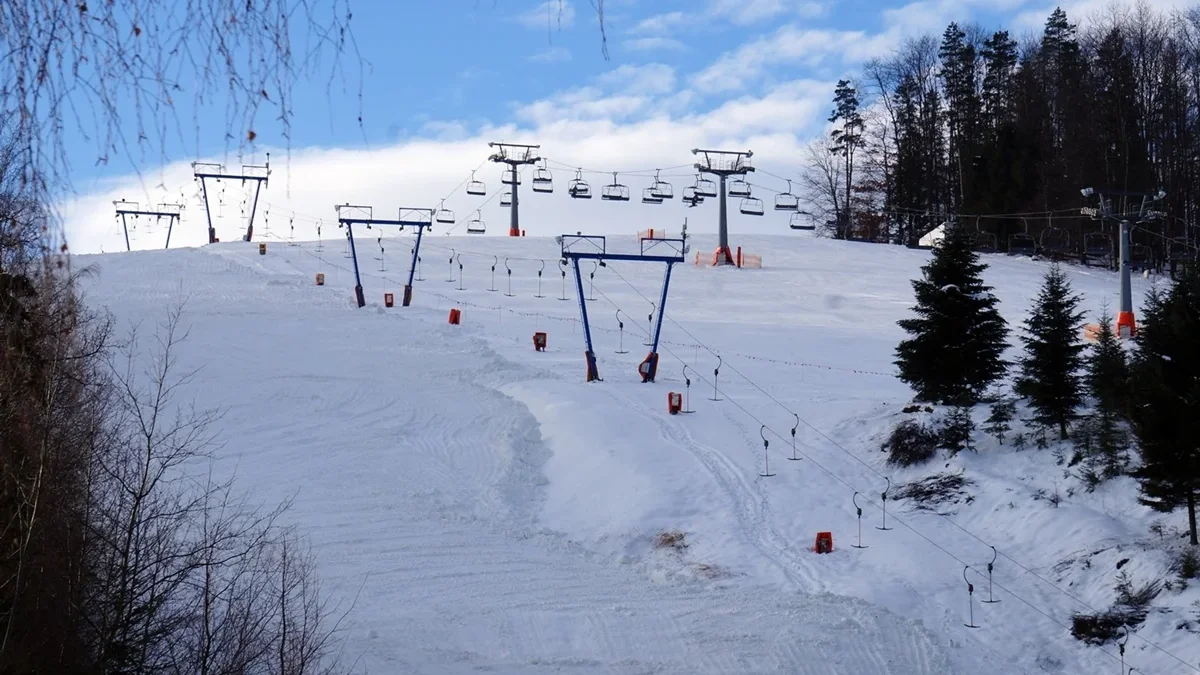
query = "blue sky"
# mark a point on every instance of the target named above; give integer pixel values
(446, 76)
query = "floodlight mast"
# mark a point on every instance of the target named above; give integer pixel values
(1126, 322)
(723, 163)
(169, 211)
(260, 174)
(514, 155)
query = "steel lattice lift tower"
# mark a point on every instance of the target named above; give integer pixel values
(251, 172)
(723, 163)
(514, 155)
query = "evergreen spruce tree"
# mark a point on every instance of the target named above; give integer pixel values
(1050, 369)
(1003, 411)
(1108, 383)
(1164, 406)
(958, 336)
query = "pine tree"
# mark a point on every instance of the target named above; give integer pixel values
(958, 336)
(1003, 411)
(1164, 407)
(1053, 354)
(1108, 383)
(846, 140)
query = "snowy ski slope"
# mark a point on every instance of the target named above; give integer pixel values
(500, 514)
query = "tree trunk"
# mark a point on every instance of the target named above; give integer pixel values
(1192, 516)
(1062, 430)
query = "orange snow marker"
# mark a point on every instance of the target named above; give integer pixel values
(824, 542)
(1126, 326)
(539, 342)
(389, 300)
(320, 278)
(455, 317)
(262, 249)
(674, 402)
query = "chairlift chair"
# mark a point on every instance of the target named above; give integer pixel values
(662, 189)
(476, 187)
(648, 197)
(476, 225)
(986, 242)
(705, 187)
(506, 199)
(579, 188)
(615, 191)
(444, 215)
(738, 188)
(751, 206)
(1140, 255)
(1179, 249)
(510, 176)
(1056, 242)
(691, 196)
(802, 221)
(1098, 249)
(1022, 243)
(542, 180)
(786, 201)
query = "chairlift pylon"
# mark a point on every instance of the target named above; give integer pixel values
(476, 187)
(445, 215)
(476, 225)
(543, 180)
(738, 188)
(615, 191)
(786, 201)
(579, 188)
(751, 206)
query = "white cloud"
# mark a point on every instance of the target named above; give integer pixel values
(790, 44)
(746, 12)
(651, 78)
(550, 14)
(632, 117)
(1084, 12)
(661, 24)
(649, 44)
(551, 55)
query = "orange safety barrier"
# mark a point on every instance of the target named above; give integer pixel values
(539, 342)
(388, 300)
(824, 542)
(320, 278)
(455, 317)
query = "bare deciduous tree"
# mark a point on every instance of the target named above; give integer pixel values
(117, 71)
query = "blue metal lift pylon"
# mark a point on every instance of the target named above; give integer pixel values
(595, 248)
(421, 219)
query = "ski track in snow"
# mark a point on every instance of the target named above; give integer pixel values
(418, 481)
(497, 512)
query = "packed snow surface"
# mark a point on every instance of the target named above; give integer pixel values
(487, 510)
